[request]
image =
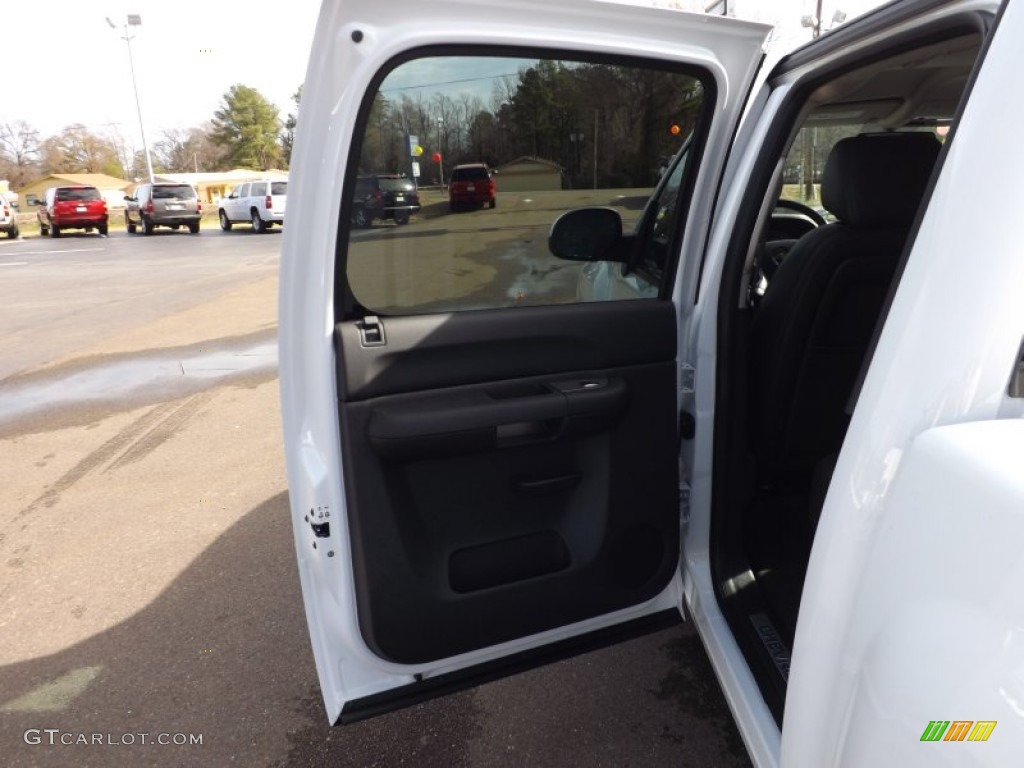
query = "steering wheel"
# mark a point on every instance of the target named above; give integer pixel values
(806, 210)
(771, 253)
(774, 250)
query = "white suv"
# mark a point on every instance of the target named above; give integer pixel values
(261, 203)
(528, 432)
(8, 218)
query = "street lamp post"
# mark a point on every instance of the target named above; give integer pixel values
(576, 146)
(809, 146)
(440, 163)
(134, 20)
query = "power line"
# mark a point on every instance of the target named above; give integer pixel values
(448, 82)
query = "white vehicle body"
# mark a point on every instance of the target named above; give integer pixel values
(261, 203)
(910, 609)
(8, 218)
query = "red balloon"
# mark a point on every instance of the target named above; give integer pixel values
(436, 157)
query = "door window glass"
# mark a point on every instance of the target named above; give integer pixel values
(661, 225)
(173, 192)
(805, 162)
(77, 194)
(496, 149)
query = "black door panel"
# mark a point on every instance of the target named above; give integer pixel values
(485, 508)
(464, 421)
(432, 351)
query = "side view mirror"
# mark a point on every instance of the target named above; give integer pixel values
(128, 199)
(589, 234)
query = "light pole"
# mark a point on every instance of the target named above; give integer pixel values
(809, 147)
(440, 153)
(814, 22)
(134, 20)
(576, 146)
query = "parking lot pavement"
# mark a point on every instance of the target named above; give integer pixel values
(148, 588)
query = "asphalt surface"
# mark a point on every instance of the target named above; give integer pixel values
(148, 589)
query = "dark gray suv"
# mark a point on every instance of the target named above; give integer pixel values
(163, 205)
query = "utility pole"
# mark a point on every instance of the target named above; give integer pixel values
(440, 153)
(134, 20)
(810, 135)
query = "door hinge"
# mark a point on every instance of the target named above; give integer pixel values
(684, 501)
(687, 377)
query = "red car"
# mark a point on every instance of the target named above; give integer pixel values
(471, 184)
(79, 207)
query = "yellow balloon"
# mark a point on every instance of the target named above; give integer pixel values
(418, 150)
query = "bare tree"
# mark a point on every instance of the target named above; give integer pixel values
(469, 107)
(76, 149)
(189, 150)
(19, 152)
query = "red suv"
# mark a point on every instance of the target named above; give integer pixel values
(471, 184)
(79, 207)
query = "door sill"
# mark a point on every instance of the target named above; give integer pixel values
(452, 682)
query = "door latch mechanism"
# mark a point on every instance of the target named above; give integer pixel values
(371, 332)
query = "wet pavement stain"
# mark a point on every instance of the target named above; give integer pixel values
(83, 391)
(692, 684)
(431, 735)
(144, 377)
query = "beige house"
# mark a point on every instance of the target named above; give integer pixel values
(529, 174)
(9, 196)
(112, 188)
(213, 186)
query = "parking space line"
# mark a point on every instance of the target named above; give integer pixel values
(71, 250)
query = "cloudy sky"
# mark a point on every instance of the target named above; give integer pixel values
(68, 66)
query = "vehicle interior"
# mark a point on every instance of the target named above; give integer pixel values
(799, 312)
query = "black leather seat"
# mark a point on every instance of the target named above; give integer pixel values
(811, 329)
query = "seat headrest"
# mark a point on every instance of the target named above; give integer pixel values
(877, 180)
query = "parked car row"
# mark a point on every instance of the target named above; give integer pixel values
(393, 196)
(260, 203)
